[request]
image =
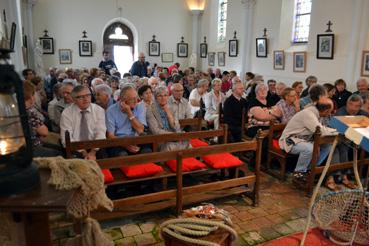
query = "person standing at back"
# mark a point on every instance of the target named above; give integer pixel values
(107, 64)
(139, 68)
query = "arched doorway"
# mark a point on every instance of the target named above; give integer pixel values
(118, 40)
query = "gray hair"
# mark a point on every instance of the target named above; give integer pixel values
(235, 84)
(176, 84)
(309, 79)
(216, 80)
(355, 98)
(95, 80)
(202, 82)
(259, 86)
(125, 88)
(104, 88)
(78, 89)
(152, 78)
(160, 89)
(124, 82)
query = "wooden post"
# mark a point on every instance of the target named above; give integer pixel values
(179, 199)
(259, 141)
(68, 149)
(313, 163)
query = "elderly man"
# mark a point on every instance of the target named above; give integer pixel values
(233, 109)
(84, 121)
(126, 119)
(153, 82)
(310, 80)
(139, 68)
(362, 86)
(104, 96)
(64, 102)
(107, 64)
(297, 137)
(178, 104)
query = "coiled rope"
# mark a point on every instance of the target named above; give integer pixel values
(186, 229)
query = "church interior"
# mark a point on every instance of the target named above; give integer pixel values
(184, 122)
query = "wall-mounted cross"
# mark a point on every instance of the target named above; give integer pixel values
(204, 39)
(153, 38)
(46, 33)
(265, 32)
(329, 24)
(182, 41)
(234, 35)
(4, 15)
(84, 34)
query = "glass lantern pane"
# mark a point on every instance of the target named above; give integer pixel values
(11, 131)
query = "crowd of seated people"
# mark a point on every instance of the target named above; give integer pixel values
(92, 104)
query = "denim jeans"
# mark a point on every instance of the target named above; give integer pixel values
(305, 152)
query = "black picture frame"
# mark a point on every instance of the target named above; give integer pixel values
(233, 48)
(261, 47)
(154, 48)
(47, 45)
(221, 59)
(211, 58)
(85, 48)
(182, 49)
(365, 64)
(203, 50)
(325, 46)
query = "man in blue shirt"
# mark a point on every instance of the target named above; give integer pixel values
(107, 64)
(126, 118)
(139, 68)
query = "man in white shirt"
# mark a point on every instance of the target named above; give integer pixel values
(84, 121)
(178, 104)
(197, 94)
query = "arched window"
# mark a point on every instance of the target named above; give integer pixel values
(222, 20)
(118, 40)
(302, 21)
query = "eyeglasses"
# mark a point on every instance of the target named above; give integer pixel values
(83, 96)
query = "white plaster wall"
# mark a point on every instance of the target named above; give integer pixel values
(65, 20)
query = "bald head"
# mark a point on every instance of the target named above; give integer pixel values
(362, 85)
(141, 57)
(177, 91)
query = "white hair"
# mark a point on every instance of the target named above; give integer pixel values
(95, 81)
(104, 88)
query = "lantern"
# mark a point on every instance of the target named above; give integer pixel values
(17, 172)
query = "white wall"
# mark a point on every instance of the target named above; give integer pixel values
(65, 20)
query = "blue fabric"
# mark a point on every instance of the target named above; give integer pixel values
(111, 102)
(164, 117)
(305, 101)
(118, 122)
(139, 69)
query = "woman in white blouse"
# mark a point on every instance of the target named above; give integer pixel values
(212, 101)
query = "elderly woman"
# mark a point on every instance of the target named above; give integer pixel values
(298, 87)
(197, 95)
(260, 111)
(212, 101)
(160, 119)
(145, 93)
(288, 106)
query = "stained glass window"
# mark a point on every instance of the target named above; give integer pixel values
(222, 20)
(302, 21)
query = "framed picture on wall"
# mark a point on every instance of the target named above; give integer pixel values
(203, 50)
(278, 60)
(211, 58)
(65, 56)
(85, 48)
(154, 48)
(182, 49)
(233, 48)
(47, 45)
(365, 64)
(325, 47)
(166, 57)
(221, 59)
(299, 62)
(261, 47)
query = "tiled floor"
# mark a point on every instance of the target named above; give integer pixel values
(282, 210)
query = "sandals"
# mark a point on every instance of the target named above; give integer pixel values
(331, 184)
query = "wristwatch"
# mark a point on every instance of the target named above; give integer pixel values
(132, 117)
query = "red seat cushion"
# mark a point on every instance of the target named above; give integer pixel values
(188, 164)
(223, 160)
(141, 170)
(275, 144)
(108, 177)
(198, 143)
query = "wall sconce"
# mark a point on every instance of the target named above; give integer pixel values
(17, 172)
(196, 4)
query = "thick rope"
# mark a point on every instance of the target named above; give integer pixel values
(316, 190)
(194, 227)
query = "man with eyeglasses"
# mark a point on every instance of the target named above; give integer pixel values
(139, 68)
(126, 118)
(61, 104)
(84, 121)
(178, 104)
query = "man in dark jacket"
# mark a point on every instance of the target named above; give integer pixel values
(107, 64)
(139, 68)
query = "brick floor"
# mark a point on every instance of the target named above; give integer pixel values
(282, 210)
